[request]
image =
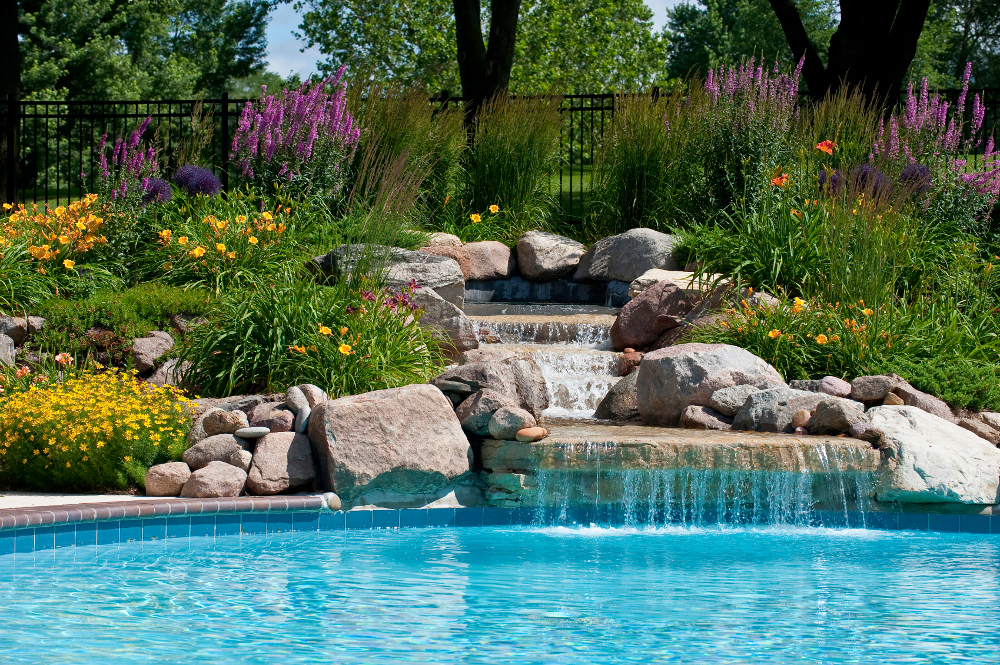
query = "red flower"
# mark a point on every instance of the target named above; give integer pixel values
(826, 146)
(780, 181)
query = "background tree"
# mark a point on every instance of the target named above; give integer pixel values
(130, 49)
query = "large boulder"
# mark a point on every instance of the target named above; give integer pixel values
(543, 256)
(627, 256)
(167, 479)
(218, 479)
(446, 322)
(439, 239)
(874, 388)
(925, 402)
(729, 401)
(403, 439)
(507, 421)
(6, 350)
(170, 373)
(835, 416)
(224, 422)
(490, 260)
(934, 461)
(146, 350)
(399, 267)
(219, 448)
(273, 415)
(644, 318)
(773, 410)
(477, 410)
(15, 327)
(673, 378)
(695, 287)
(460, 254)
(282, 462)
(518, 378)
(703, 417)
(622, 401)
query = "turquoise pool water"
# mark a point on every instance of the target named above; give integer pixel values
(511, 595)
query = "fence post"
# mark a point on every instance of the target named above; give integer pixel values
(12, 149)
(225, 141)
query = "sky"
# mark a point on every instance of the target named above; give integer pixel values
(285, 56)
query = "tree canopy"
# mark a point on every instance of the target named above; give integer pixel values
(132, 49)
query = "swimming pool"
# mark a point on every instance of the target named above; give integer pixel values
(511, 595)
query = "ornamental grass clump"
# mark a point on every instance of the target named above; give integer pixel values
(89, 430)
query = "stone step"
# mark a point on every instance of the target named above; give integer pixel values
(581, 329)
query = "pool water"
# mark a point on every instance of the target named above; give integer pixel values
(511, 595)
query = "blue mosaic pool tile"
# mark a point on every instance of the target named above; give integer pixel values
(86, 533)
(279, 522)
(154, 528)
(913, 521)
(385, 519)
(584, 516)
(440, 517)
(359, 519)
(44, 538)
(24, 541)
(178, 527)
(522, 515)
(944, 523)
(130, 531)
(108, 533)
(7, 539)
(468, 517)
(884, 521)
(332, 521)
(203, 525)
(496, 516)
(227, 524)
(995, 525)
(413, 517)
(64, 535)
(253, 523)
(969, 524)
(305, 521)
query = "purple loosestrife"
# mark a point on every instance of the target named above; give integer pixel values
(130, 167)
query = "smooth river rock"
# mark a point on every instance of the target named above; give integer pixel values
(508, 421)
(936, 460)
(773, 409)
(215, 480)
(490, 259)
(398, 440)
(167, 479)
(628, 255)
(543, 256)
(282, 462)
(644, 318)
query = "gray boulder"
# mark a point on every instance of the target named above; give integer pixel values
(875, 388)
(673, 378)
(627, 256)
(403, 439)
(772, 410)
(218, 479)
(6, 350)
(197, 432)
(446, 322)
(622, 401)
(459, 253)
(929, 403)
(476, 411)
(981, 429)
(273, 415)
(835, 416)
(282, 462)
(439, 239)
(542, 256)
(704, 417)
(147, 350)
(647, 316)
(297, 401)
(490, 260)
(507, 421)
(518, 378)
(14, 327)
(167, 479)
(934, 461)
(399, 267)
(314, 394)
(218, 448)
(169, 373)
(728, 401)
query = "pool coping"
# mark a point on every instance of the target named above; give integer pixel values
(29, 530)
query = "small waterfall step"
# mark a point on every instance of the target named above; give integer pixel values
(580, 329)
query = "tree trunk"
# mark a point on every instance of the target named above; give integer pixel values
(10, 97)
(485, 69)
(870, 51)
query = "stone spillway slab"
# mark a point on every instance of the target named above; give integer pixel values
(586, 329)
(597, 448)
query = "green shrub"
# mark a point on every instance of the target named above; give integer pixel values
(347, 338)
(957, 381)
(86, 431)
(21, 285)
(115, 318)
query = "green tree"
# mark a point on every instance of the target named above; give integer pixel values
(582, 46)
(130, 49)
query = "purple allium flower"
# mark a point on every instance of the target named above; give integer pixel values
(916, 176)
(197, 180)
(867, 178)
(157, 191)
(836, 182)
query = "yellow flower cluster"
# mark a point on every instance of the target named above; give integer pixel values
(55, 235)
(229, 238)
(92, 431)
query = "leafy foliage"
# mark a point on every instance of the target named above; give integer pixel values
(957, 381)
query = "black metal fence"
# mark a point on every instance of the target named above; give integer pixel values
(58, 140)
